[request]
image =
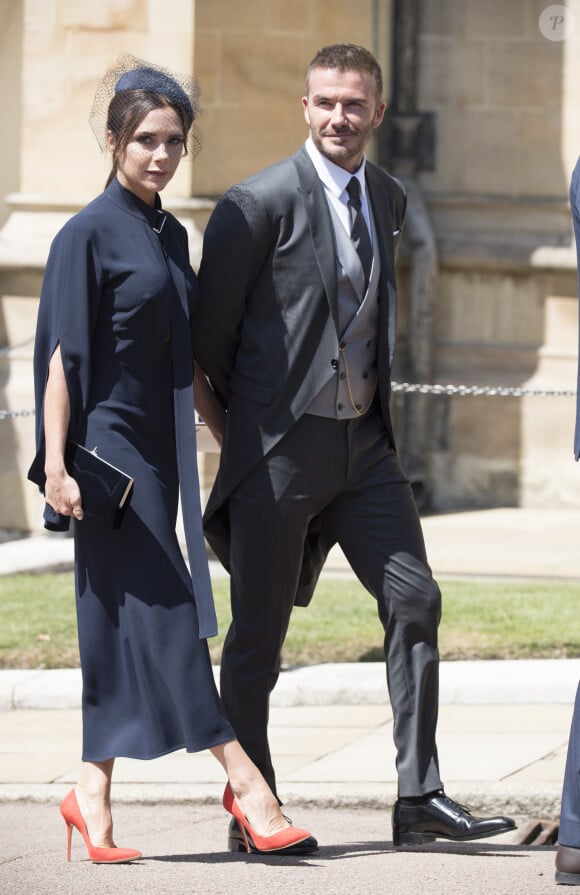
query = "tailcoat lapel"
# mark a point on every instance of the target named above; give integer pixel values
(384, 224)
(317, 215)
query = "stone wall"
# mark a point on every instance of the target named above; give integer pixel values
(507, 136)
(251, 61)
(10, 74)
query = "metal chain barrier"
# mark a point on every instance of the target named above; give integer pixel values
(491, 391)
(477, 391)
(12, 414)
(4, 352)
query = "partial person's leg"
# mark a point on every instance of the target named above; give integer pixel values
(568, 855)
(93, 792)
(87, 808)
(255, 797)
(269, 517)
(248, 797)
(375, 520)
(265, 555)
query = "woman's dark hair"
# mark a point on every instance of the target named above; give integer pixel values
(127, 110)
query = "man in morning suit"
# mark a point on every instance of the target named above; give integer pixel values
(568, 854)
(296, 332)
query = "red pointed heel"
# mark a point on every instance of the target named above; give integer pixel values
(276, 842)
(69, 808)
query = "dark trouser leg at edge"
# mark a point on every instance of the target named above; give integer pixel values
(568, 854)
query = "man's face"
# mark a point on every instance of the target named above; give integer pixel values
(342, 109)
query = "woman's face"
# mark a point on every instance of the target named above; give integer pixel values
(152, 154)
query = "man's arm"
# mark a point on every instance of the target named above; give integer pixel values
(236, 244)
(208, 405)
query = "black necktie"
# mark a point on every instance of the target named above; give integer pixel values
(358, 229)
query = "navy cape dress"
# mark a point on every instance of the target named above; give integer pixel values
(117, 295)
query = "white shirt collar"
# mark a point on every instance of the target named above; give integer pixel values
(333, 176)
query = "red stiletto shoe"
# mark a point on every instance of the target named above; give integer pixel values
(69, 808)
(276, 842)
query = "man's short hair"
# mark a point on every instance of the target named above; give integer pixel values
(347, 57)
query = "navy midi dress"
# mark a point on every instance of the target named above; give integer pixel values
(117, 295)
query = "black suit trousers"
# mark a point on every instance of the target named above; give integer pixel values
(345, 478)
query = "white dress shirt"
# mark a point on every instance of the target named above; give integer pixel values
(334, 180)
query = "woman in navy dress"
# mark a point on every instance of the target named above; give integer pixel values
(113, 370)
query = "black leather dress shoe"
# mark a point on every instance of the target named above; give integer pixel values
(568, 866)
(236, 843)
(439, 817)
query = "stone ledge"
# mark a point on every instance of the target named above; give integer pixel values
(482, 797)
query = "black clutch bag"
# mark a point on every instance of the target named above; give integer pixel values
(105, 489)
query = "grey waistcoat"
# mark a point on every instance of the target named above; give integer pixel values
(355, 359)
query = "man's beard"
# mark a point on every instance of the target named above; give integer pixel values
(345, 152)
